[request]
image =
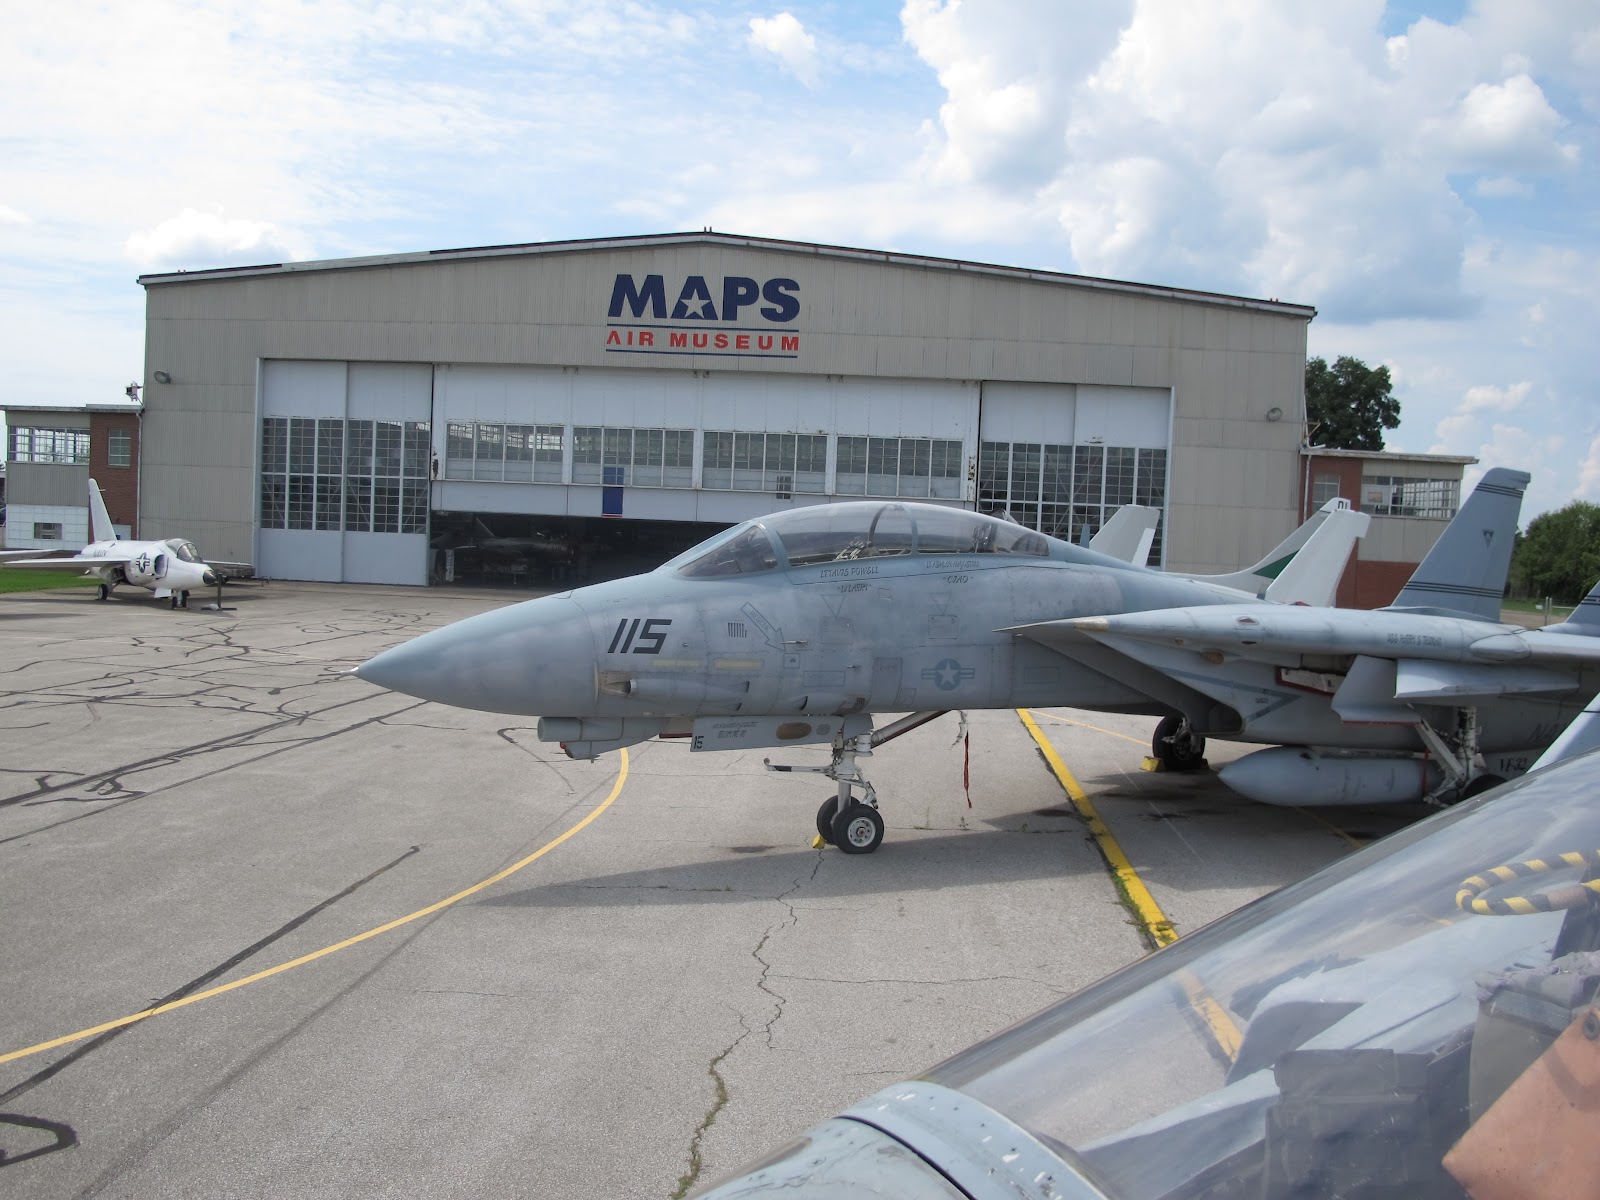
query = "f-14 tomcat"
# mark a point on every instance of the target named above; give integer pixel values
(798, 627)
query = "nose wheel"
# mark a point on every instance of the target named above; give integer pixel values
(843, 821)
(856, 830)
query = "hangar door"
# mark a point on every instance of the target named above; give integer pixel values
(345, 450)
(1063, 457)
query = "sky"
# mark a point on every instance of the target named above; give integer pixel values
(1423, 173)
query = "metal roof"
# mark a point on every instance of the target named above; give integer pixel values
(710, 238)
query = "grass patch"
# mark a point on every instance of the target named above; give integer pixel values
(1557, 612)
(41, 581)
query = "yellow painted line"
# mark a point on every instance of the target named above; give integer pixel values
(1154, 922)
(120, 1022)
(1095, 728)
(1223, 1030)
(1151, 919)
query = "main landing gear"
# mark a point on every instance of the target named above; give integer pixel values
(1177, 744)
(843, 821)
(103, 592)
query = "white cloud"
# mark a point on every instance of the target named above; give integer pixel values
(1589, 474)
(1505, 126)
(1488, 398)
(10, 216)
(209, 238)
(1276, 149)
(784, 37)
(1501, 187)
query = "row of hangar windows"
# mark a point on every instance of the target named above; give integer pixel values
(730, 460)
(373, 476)
(41, 444)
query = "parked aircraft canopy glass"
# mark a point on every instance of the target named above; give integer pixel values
(747, 550)
(826, 533)
(1438, 987)
(183, 550)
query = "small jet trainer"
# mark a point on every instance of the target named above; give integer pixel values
(169, 569)
(796, 628)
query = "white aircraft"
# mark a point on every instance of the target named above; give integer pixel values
(169, 569)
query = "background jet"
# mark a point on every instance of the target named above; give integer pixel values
(1431, 698)
(1319, 550)
(167, 569)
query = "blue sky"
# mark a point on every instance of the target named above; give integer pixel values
(1423, 173)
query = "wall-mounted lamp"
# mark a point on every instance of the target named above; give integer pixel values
(162, 377)
(1273, 414)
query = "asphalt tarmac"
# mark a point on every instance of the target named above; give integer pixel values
(267, 930)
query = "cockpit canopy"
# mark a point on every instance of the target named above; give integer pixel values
(825, 533)
(183, 550)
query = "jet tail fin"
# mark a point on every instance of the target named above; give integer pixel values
(100, 525)
(1129, 533)
(1313, 574)
(1465, 571)
(1256, 579)
(1585, 619)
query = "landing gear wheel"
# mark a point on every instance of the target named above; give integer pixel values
(103, 592)
(858, 829)
(1177, 745)
(1480, 785)
(174, 599)
(825, 816)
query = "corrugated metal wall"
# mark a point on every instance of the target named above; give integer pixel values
(1233, 486)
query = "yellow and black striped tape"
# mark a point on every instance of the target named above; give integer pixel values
(1572, 895)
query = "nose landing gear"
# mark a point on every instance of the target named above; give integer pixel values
(843, 821)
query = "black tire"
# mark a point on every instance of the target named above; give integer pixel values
(1480, 785)
(1177, 745)
(174, 600)
(858, 829)
(103, 592)
(825, 816)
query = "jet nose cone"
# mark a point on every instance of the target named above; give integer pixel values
(533, 658)
(211, 577)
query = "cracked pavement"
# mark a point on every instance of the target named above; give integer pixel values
(189, 798)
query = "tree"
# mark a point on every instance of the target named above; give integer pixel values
(1348, 405)
(1559, 555)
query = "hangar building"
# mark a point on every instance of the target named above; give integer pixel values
(351, 419)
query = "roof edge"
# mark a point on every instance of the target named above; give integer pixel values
(711, 238)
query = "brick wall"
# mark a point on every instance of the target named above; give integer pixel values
(119, 485)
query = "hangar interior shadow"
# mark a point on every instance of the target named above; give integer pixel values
(522, 550)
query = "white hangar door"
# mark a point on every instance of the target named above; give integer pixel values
(1063, 457)
(344, 462)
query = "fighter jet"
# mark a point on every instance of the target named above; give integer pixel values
(1429, 699)
(797, 629)
(168, 569)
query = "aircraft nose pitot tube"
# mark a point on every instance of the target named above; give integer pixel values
(532, 658)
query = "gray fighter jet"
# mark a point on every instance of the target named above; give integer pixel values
(1429, 699)
(798, 628)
